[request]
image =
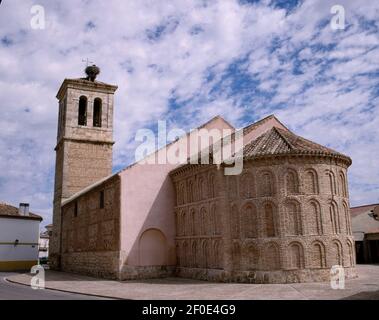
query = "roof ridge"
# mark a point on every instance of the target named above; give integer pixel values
(249, 127)
(290, 145)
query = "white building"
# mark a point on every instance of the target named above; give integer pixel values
(44, 242)
(19, 235)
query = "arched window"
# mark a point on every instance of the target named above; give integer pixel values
(331, 182)
(292, 183)
(334, 218)
(293, 218)
(232, 186)
(194, 255)
(211, 184)
(235, 222)
(269, 220)
(247, 187)
(311, 182)
(253, 257)
(182, 191)
(267, 184)
(203, 218)
(314, 218)
(249, 222)
(317, 257)
(82, 114)
(342, 185)
(336, 253)
(191, 223)
(271, 257)
(97, 105)
(191, 191)
(183, 223)
(216, 254)
(203, 192)
(296, 256)
(204, 253)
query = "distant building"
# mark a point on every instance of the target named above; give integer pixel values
(19, 234)
(44, 238)
(365, 222)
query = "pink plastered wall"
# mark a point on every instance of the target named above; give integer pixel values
(147, 202)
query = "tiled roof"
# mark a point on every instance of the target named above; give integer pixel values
(356, 211)
(277, 141)
(362, 220)
(7, 210)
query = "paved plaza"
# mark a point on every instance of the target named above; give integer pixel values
(366, 286)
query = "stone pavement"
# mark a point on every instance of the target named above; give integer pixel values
(366, 286)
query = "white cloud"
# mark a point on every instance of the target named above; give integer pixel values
(194, 39)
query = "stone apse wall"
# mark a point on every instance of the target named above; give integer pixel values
(284, 219)
(91, 231)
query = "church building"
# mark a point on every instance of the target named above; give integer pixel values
(285, 218)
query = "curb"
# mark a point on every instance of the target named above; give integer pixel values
(67, 291)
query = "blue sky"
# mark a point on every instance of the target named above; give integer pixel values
(185, 62)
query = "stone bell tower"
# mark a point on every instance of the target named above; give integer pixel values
(84, 143)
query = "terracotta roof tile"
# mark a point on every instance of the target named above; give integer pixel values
(11, 211)
(277, 141)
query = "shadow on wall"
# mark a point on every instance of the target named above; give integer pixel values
(155, 244)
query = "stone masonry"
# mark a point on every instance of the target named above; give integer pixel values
(83, 152)
(284, 219)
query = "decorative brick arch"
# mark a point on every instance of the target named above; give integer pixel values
(336, 253)
(314, 217)
(182, 193)
(194, 262)
(247, 185)
(311, 185)
(249, 219)
(191, 222)
(267, 186)
(235, 222)
(153, 248)
(211, 185)
(317, 257)
(293, 218)
(203, 188)
(216, 254)
(204, 254)
(291, 181)
(331, 182)
(252, 253)
(334, 217)
(269, 219)
(203, 218)
(342, 185)
(295, 254)
(271, 256)
(232, 186)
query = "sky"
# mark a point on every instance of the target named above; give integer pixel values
(185, 62)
